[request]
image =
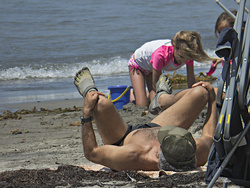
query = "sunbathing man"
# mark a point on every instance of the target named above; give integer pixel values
(164, 143)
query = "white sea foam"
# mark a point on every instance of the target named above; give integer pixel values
(98, 67)
(110, 66)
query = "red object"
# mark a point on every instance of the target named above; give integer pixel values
(212, 69)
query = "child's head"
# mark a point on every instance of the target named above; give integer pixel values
(187, 45)
(223, 21)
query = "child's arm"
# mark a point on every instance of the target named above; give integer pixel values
(155, 77)
(190, 76)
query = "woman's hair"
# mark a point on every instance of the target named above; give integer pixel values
(163, 164)
(189, 44)
(224, 16)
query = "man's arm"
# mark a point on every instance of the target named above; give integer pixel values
(88, 139)
(88, 135)
(115, 157)
(204, 143)
(212, 112)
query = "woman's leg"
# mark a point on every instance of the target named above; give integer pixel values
(139, 87)
(151, 91)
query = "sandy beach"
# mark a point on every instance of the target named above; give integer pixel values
(42, 142)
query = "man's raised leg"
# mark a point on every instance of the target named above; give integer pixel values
(110, 124)
(163, 97)
(185, 111)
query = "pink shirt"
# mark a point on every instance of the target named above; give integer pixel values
(163, 59)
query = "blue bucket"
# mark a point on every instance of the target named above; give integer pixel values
(120, 95)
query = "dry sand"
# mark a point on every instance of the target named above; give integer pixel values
(38, 141)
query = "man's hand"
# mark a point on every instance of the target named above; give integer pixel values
(90, 101)
(208, 87)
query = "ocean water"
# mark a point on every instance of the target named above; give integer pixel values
(45, 42)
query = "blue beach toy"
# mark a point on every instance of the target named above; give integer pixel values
(120, 95)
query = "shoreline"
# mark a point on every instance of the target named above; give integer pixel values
(46, 104)
(60, 103)
(65, 100)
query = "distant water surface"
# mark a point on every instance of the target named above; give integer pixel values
(45, 42)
